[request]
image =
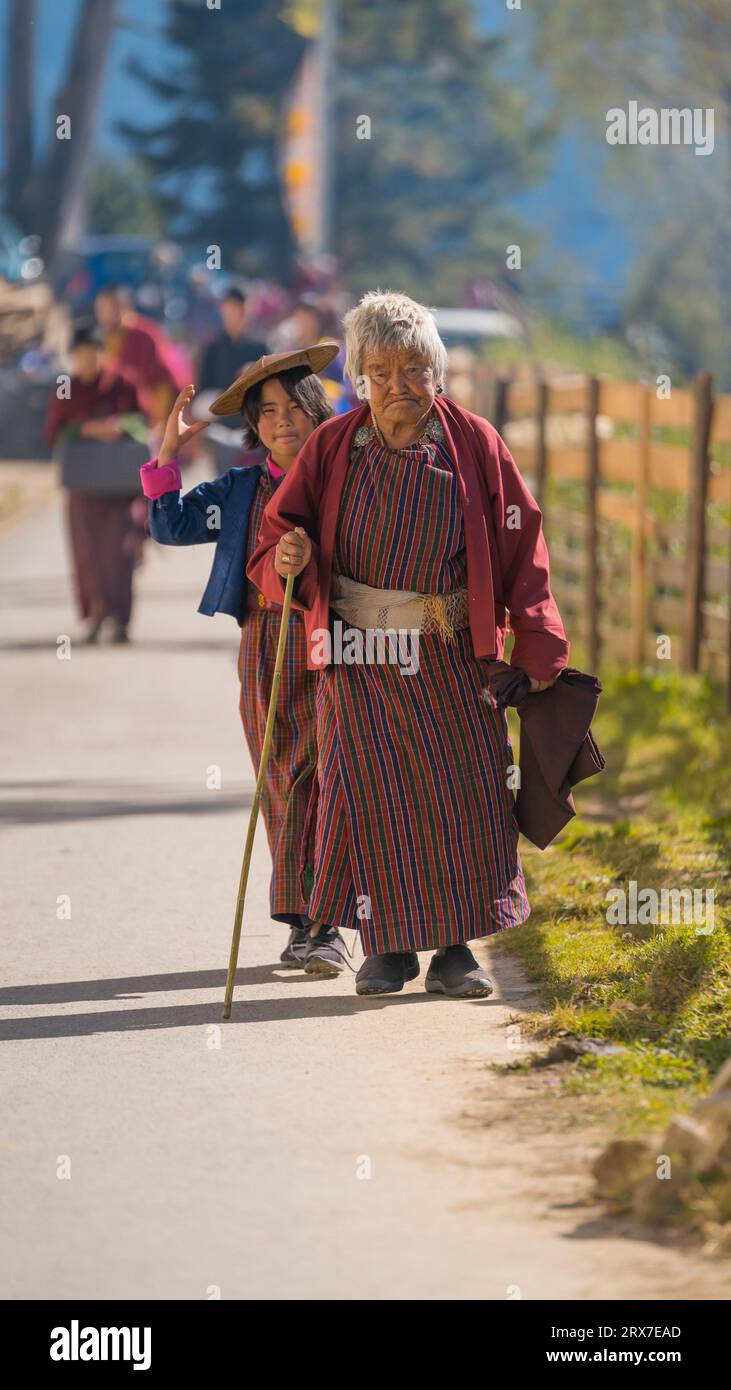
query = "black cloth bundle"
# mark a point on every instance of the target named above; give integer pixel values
(557, 749)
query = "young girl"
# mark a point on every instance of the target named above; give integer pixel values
(282, 401)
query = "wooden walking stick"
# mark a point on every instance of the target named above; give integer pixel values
(254, 814)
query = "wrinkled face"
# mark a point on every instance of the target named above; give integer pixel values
(233, 314)
(283, 425)
(108, 309)
(400, 382)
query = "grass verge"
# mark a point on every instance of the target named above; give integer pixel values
(660, 992)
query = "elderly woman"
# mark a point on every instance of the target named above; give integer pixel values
(408, 513)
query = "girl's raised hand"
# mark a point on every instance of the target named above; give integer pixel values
(177, 433)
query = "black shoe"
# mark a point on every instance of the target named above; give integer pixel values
(293, 954)
(325, 954)
(120, 636)
(91, 633)
(386, 974)
(455, 972)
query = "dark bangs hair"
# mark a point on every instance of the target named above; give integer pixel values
(302, 385)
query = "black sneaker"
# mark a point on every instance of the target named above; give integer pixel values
(325, 954)
(293, 954)
(386, 974)
(91, 633)
(455, 972)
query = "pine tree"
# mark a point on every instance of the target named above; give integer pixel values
(422, 204)
(214, 152)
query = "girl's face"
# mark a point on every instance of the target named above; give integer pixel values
(283, 425)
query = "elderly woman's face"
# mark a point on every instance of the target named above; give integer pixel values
(401, 384)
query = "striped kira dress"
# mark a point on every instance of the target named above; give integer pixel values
(291, 772)
(415, 837)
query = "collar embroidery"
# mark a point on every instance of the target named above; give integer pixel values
(365, 434)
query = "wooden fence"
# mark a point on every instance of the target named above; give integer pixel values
(635, 487)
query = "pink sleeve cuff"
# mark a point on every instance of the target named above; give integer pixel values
(156, 481)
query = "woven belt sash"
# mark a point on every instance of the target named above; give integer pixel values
(364, 607)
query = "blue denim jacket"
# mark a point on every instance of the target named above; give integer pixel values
(217, 512)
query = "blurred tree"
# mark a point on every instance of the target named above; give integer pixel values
(19, 107)
(121, 199)
(47, 196)
(681, 285)
(663, 53)
(423, 201)
(213, 155)
(670, 52)
(420, 203)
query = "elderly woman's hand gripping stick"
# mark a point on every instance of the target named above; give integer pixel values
(292, 553)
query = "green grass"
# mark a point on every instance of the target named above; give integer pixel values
(659, 814)
(560, 350)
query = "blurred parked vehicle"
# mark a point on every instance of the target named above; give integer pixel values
(468, 327)
(164, 281)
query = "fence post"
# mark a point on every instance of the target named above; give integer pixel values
(483, 382)
(541, 447)
(592, 525)
(696, 528)
(638, 586)
(501, 403)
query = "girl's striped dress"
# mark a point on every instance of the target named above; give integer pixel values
(291, 771)
(415, 833)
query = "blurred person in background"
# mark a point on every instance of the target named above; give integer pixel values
(144, 354)
(105, 538)
(232, 350)
(223, 359)
(315, 321)
(140, 351)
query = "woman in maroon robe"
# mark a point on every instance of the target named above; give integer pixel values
(103, 534)
(138, 349)
(407, 520)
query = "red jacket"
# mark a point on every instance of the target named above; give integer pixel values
(507, 560)
(91, 400)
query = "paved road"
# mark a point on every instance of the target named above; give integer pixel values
(315, 1146)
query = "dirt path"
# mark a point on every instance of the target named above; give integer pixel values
(315, 1146)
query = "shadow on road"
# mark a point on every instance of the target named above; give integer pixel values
(244, 1011)
(134, 986)
(121, 799)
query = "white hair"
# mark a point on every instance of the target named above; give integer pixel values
(384, 319)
